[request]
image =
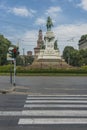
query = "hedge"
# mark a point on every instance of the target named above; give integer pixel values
(6, 68)
(19, 69)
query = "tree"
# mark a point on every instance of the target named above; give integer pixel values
(84, 56)
(83, 37)
(67, 53)
(29, 60)
(4, 45)
(75, 57)
(24, 60)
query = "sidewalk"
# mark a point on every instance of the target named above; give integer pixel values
(5, 85)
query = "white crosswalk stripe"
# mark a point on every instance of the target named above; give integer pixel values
(54, 106)
(53, 113)
(60, 109)
(54, 101)
(30, 121)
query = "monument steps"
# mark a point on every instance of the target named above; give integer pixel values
(50, 64)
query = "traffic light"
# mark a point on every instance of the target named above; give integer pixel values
(15, 52)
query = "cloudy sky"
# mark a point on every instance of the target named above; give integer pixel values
(20, 21)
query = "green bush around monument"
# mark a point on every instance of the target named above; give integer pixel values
(52, 70)
(39, 72)
(25, 70)
(6, 68)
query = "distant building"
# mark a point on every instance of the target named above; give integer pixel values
(83, 42)
(39, 43)
(29, 53)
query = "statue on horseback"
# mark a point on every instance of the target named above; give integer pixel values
(49, 24)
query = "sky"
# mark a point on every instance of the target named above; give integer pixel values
(20, 21)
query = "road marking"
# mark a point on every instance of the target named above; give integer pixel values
(50, 113)
(52, 98)
(53, 116)
(54, 106)
(55, 113)
(66, 89)
(32, 121)
(10, 113)
(59, 95)
(54, 101)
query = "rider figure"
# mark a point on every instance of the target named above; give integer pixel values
(49, 24)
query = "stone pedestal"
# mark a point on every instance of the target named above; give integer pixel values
(49, 53)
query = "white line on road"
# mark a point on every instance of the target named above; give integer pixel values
(54, 101)
(59, 95)
(55, 113)
(72, 113)
(54, 106)
(32, 121)
(34, 98)
(10, 113)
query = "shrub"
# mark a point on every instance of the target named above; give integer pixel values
(26, 70)
(6, 68)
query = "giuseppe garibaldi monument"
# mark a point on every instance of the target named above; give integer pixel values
(50, 54)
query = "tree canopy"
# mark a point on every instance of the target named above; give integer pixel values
(4, 45)
(83, 37)
(75, 57)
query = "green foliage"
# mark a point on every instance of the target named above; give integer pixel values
(75, 57)
(83, 37)
(6, 68)
(4, 45)
(29, 60)
(24, 60)
(67, 53)
(55, 71)
(26, 70)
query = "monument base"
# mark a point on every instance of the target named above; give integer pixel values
(49, 59)
(48, 54)
(50, 63)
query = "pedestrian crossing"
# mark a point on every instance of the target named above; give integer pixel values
(51, 110)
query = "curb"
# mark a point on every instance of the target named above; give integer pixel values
(5, 91)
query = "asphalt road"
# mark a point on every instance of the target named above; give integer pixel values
(53, 85)
(44, 103)
(47, 85)
(25, 112)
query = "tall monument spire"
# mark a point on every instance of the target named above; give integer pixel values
(40, 38)
(40, 43)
